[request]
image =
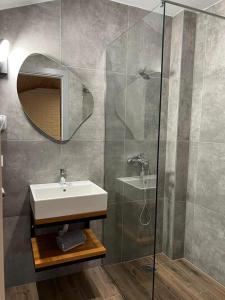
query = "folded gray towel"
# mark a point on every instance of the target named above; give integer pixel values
(70, 240)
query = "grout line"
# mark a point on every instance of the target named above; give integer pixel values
(210, 210)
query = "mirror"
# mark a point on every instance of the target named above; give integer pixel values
(53, 97)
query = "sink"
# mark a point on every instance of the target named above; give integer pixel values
(55, 200)
(137, 182)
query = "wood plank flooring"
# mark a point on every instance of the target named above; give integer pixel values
(93, 283)
(23, 292)
(175, 280)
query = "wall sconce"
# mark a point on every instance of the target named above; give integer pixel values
(4, 52)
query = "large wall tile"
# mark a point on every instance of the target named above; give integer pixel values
(186, 75)
(210, 177)
(136, 15)
(88, 23)
(198, 76)
(213, 105)
(115, 107)
(152, 97)
(83, 160)
(116, 55)
(18, 26)
(93, 129)
(209, 242)
(179, 229)
(114, 168)
(19, 266)
(182, 161)
(168, 217)
(174, 77)
(192, 172)
(189, 231)
(215, 47)
(145, 45)
(27, 163)
(113, 229)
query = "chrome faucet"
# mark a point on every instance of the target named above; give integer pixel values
(62, 176)
(140, 161)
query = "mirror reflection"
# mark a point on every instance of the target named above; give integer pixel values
(53, 97)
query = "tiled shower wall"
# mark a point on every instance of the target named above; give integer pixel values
(178, 132)
(202, 193)
(205, 223)
(76, 33)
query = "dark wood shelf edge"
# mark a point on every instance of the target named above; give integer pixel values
(71, 218)
(69, 263)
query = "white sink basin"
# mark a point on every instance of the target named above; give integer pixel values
(55, 200)
(148, 182)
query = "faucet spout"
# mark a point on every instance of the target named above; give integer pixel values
(62, 176)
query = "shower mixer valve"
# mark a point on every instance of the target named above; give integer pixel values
(139, 160)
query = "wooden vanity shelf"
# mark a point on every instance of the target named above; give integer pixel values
(47, 254)
(45, 251)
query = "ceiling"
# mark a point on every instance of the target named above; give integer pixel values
(145, 4)
(4, 4)
(171, 9)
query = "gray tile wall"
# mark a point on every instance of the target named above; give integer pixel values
(76, 33)
(204, 236)
(178, 132)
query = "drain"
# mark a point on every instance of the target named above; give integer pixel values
(148, 269)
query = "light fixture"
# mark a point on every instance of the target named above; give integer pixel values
(4, 52)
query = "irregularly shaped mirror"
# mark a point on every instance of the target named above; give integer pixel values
(53, 97)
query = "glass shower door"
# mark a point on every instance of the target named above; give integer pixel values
(133, 79)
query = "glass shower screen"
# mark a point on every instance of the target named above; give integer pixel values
(132, 171)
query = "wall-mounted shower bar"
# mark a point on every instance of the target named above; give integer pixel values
(164, 2)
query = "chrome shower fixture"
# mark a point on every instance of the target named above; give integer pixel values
(138, 160)
(145, 75)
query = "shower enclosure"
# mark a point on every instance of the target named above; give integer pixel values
(133, 77)
(164, 155)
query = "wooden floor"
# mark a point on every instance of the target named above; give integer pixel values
(175, 280)
(91, 284)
